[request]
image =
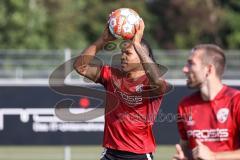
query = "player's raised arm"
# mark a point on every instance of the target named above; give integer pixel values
(151, 68)
(83, 62)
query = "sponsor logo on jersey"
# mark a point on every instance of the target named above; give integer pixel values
(190, 121)
(209, 134)
(139, 88)
(131, 100)
(222, 115)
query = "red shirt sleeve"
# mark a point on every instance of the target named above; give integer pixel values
(236, 102)
(180, 122)
(105, 74)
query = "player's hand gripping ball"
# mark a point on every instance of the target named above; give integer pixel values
(121, 23)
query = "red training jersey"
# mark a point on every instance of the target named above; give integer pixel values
(128, 125)
(216, 123)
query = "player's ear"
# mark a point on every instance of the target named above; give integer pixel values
(210, 69)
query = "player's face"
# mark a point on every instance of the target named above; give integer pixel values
(129, 59)
(195, 70)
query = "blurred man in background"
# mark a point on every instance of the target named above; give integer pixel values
(209, 119)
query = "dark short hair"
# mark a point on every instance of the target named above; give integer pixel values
(149, 49)
(215, 55)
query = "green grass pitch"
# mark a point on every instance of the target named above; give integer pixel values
(163, 152)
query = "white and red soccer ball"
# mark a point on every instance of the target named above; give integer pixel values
(121, 23)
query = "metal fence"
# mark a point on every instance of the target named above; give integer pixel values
(39, 64)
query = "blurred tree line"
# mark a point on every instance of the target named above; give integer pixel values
(170, 24)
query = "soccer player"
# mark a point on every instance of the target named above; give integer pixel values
(209, 119)
(138, 86)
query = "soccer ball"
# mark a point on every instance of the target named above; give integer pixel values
(121, 23)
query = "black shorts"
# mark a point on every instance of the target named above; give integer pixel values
(111, 154)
